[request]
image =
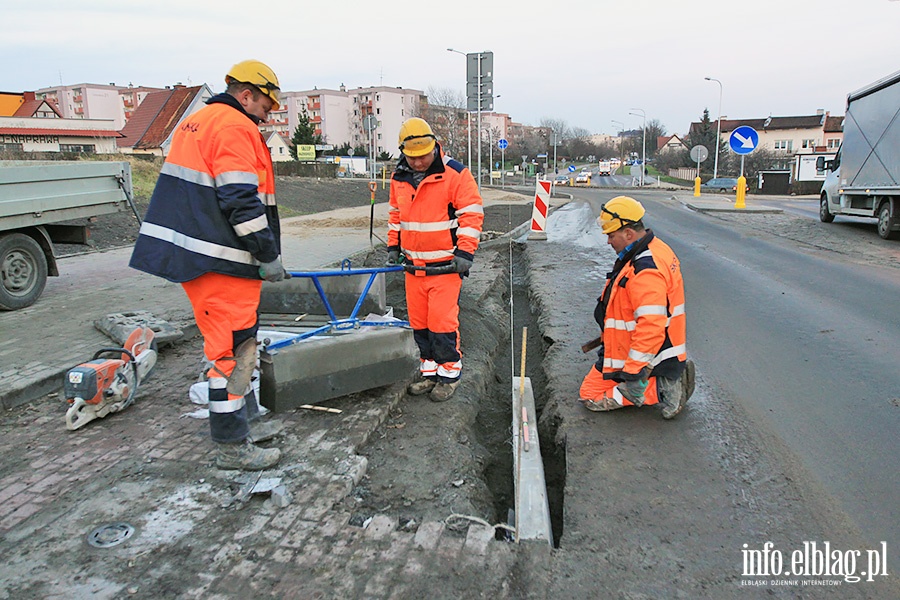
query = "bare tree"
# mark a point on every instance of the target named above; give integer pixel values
(446, 113)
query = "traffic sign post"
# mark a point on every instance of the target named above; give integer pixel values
(698, 153)
(503, 145)
(743, 141)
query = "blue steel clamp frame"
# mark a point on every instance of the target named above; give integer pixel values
(334, 323)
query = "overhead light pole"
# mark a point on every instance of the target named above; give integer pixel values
(643, 115)
(718, 128)
(621, 130)
(468, 120)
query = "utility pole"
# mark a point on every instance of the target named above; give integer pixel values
(643, 143)
(718, 129)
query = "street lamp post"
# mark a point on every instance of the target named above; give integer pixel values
(643, 115)
(621, 129)
(718, 127)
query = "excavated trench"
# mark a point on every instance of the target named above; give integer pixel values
(499, 472)
(430, 461)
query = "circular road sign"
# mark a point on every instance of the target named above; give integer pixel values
(502, 144)
(699, 153)
(571, 168)
(743, 140)
(370, 122)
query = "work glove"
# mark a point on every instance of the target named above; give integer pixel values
(634, 389)
(272, 271)
(461, 264)
(393, 257)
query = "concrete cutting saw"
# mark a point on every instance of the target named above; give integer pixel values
(108, 382)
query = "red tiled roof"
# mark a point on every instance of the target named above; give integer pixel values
(168, 117)
(59, 132)
(834, 124)
(29, 108)
(156, 117)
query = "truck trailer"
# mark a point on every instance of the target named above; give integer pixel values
(863, 179)
(36, 200)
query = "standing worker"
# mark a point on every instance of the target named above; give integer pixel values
(643, 358)
(435, 220)
(213, 227)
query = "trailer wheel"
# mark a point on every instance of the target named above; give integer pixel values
(886, 222)
(824, 214)
(23, 271)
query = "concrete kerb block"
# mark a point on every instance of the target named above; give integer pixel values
(118, 326)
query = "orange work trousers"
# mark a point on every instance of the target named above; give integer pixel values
(432, 302)
(594, 387)
(225, 309)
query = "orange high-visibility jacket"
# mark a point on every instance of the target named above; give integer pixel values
(213, 209)
(644, 323)
(440, 218)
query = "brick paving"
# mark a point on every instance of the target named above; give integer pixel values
(152, 468)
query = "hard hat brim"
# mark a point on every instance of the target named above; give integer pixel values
(419, 146)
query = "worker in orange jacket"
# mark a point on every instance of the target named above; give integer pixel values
(434, 220)
(643, 358)
(212, 226)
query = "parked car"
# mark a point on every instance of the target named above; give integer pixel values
(561, 180)
(720, 184)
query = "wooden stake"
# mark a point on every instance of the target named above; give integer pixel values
(522, 369)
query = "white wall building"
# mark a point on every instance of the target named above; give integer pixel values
(30, 134)
(95, 101)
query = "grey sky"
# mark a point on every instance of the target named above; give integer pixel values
(585, 62)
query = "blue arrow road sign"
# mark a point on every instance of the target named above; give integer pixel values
(571, 168)
(743, 140)
(502, 144)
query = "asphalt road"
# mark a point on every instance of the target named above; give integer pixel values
(806, 343)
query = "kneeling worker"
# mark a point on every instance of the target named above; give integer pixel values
(643, 358)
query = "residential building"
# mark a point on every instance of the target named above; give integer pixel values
(27, 104)
(669, 143)
(95, 101)
(41, 134)
(279, 147)
(150, 129)
(786, 137)
(338, 115)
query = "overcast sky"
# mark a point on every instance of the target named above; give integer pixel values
(586, 62)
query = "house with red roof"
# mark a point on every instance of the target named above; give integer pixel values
(26, 104)
(150, 128)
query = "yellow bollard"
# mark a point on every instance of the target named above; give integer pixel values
(741, 192)
(697, 186)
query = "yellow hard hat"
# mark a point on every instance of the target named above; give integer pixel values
(416, 137)
(258, 74)
(619, 212)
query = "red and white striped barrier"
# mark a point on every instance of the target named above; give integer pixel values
(539, 213)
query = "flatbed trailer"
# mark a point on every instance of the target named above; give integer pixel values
(37, 198)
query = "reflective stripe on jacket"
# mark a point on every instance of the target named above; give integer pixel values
(213, 208)
(644, 323)
(439, 218)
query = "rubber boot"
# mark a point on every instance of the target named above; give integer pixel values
(246, 456)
